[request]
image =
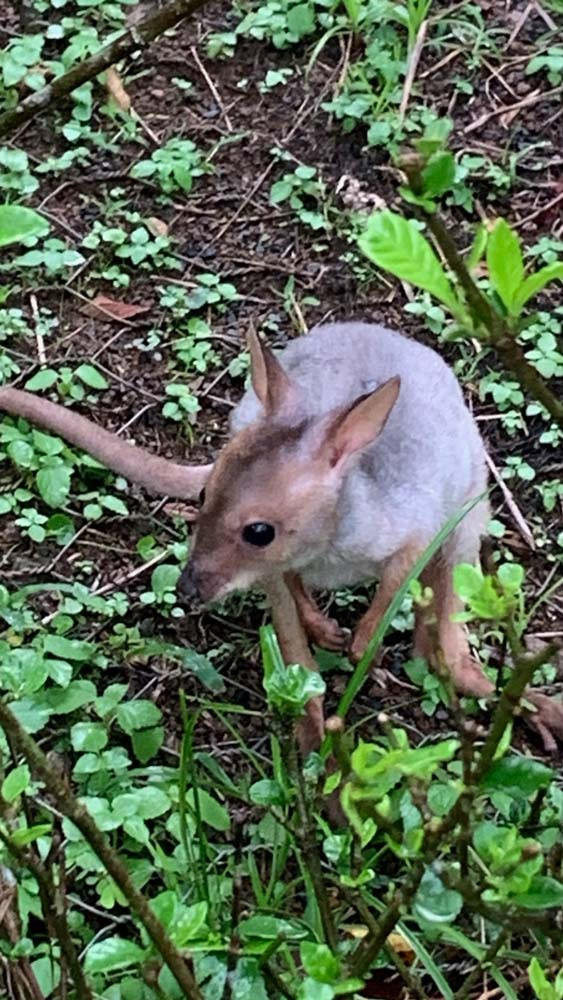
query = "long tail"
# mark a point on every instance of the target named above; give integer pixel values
(158, 475)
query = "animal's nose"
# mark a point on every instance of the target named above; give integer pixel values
(188, 584)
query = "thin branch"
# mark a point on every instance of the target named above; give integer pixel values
(136, 37)
(53, 912)
(496, 332)
(72, 809)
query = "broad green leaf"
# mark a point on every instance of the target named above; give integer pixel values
(396, 245)
(188, 923)
(147, 742)
(42, 380)
(88, 737)
(271, 928)
(301, 19)
(212, 812)
(27, 835)
(504, 260)
(15, 782)
(319, 962)
(68, 649)
(267, 793)
(111, 954)
(310, 989)
(140, 714)
(518, 776)
(18, 223)
(91, 377)
(438, 174)
(539, 981)
(53, 484)
(65, 700)
(434, 903)
(543, 892)
(535, 282)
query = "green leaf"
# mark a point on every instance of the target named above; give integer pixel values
(68, 649)
(539, 982)
(27, 835)
(188, 923)
(396, 245)
(434, 904)
(15, 782)
(77, 694)
(18, 223)
(112, 953)
(478, 247)
(212, 812)
(280, 191)
(439, 174)
(91, 377)
(301, 19)
(54, 484)
(310, 989)
(42, 380)
(319, 962)
(518, 776)
(88, 737)
(271, 928)
(504, 260)
(543, 892)
(267, 793)
(146, 743)
(140, 714)
(535, 282)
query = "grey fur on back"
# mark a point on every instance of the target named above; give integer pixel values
(427, 462)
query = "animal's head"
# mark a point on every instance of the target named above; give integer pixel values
(270, 503)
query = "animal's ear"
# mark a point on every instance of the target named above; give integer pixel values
(361, 423)
(269, 381)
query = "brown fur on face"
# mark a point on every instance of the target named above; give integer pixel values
(265, 474)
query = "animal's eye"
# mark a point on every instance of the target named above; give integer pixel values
(259, 533)
(202, 498)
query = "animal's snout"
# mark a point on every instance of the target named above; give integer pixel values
(189, 584)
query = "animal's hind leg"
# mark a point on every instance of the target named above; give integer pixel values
(434, 630)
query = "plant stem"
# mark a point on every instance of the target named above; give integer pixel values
(53, 912)
(308, 840)
(498, 333)
(491, 953)
(509, 701)
(71, 808)
(136, 37)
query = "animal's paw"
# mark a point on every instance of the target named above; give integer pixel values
(546, 719)
(327, 633)
(360, 639)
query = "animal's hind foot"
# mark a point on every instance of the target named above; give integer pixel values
(546, 719)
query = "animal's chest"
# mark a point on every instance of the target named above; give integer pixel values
(337, 569)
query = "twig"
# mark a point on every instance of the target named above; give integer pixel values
(539, 211)
(513, 507)
(412, 68)
(42, 357)
(511, 109)
(77, 813)
(508, 705)
(53, 912)
(212, 87)
(136, 37)
(491, 953)
(495, 332)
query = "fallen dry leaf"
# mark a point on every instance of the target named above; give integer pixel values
(111, 310)
(156, 227)
(116, 90)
